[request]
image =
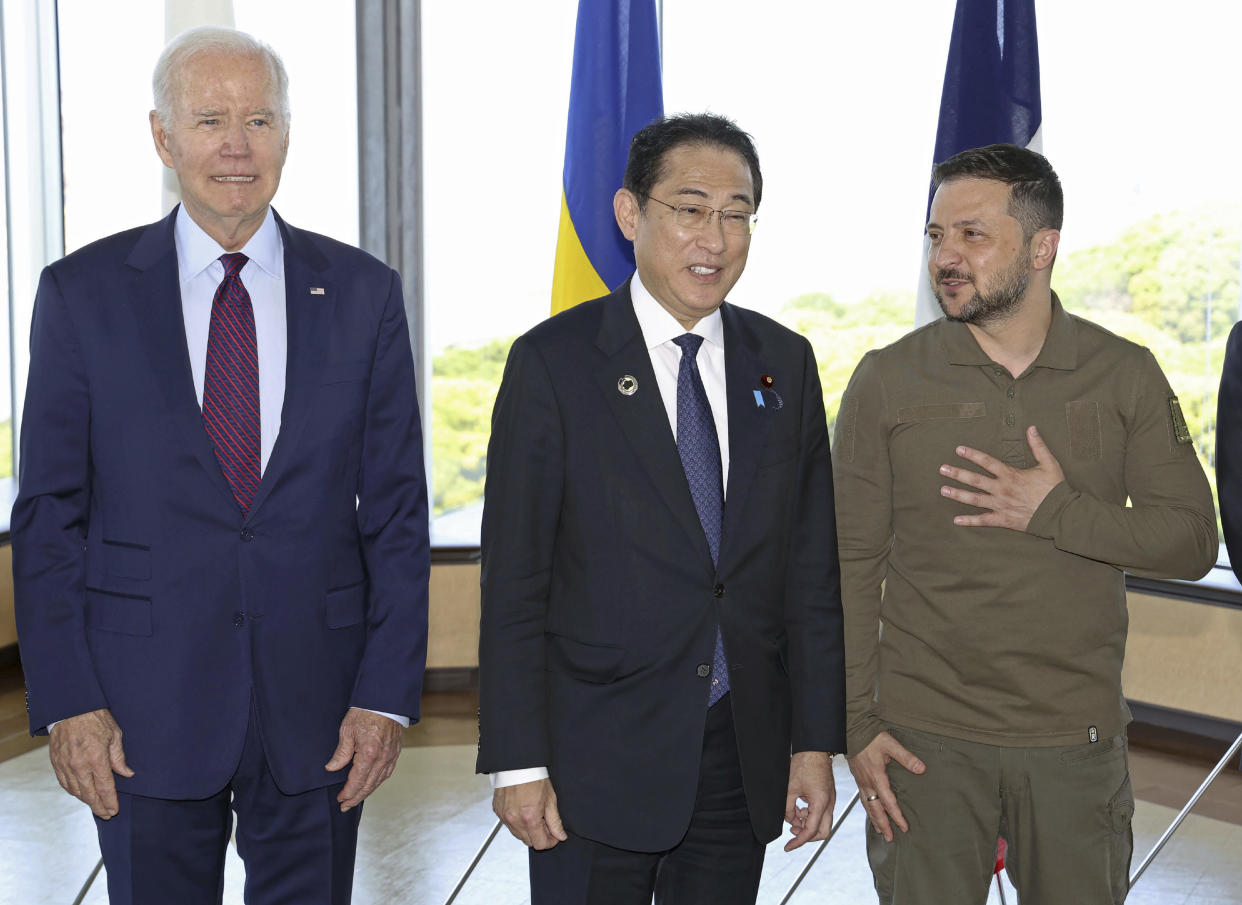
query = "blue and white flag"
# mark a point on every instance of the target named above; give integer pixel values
(991, 93)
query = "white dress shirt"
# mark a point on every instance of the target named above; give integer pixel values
(659, 329)
(200, 272)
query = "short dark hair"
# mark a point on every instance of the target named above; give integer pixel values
(1035, 197)
(651, 144)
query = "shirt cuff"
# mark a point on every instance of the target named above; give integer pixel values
(1043, 521)
(502, 778)
(403, 720)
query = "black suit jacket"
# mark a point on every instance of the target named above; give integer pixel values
(600, 599)
(1229, 448)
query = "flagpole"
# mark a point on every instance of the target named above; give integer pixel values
(1194, 799)
(473, 864)
(819, 851)
(87, 885)
(660, 30)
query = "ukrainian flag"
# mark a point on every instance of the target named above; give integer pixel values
(615, 92)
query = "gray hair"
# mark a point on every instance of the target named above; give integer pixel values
(213, 39)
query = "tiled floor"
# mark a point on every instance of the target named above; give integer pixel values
(425, 824)
(422, 828)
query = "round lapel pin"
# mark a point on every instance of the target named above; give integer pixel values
(627, 385)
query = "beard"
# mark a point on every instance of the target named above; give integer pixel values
(997, 302)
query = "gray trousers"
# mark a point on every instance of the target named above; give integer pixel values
(1064, 813)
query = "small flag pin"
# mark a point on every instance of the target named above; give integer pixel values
(316, 290)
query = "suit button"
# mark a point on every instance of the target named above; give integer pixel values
(247, 534)
(718, 591)
(704, 670)
(239, 619)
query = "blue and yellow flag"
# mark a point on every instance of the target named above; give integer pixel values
(615, 92)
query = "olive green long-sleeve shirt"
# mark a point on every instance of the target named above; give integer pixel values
(988, 634)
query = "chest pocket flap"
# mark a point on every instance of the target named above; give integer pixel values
(941, 411)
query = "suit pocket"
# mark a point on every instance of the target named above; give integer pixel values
(345, 371)
(346, 606)
(121, 613)
(594, 663)
(778, 452)
(127, 560)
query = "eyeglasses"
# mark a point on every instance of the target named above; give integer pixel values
(697, 216)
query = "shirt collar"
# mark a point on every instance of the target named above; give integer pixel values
(1059, 351)
(659, 326)
(196, 251)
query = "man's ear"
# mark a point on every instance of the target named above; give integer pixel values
(1046, 242)
(625, 207)
(160, 136)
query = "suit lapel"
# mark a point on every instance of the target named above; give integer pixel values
(156, 294)
(642, 415)
(308, 318)
(748, 423)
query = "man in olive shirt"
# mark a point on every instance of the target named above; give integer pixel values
(983, 466)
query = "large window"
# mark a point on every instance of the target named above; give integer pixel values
(1147, 151)
(112, 176)
(494, 107)
(32, 200)
(842, 101)
(78, 158)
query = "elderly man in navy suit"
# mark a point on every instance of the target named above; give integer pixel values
(661, 671)
(220, 541)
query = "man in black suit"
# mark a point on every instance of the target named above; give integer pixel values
(661, 607)
(1229, 448)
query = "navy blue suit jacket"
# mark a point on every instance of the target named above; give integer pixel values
(140, 587)
(600, 599)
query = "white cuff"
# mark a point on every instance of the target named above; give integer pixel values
(503, 778)
(403, 720)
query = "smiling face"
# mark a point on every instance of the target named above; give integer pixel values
(226, 142)
(689, 271)
(979, 262)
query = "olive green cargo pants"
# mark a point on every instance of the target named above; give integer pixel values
(1064, 812)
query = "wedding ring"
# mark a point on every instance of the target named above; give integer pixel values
(872, 797)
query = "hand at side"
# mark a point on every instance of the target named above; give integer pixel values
(86, 750)
(529, 810)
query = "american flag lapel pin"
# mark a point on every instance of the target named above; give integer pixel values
(316, 290)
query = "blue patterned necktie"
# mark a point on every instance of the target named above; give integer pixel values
(700, 456)
(231, 383)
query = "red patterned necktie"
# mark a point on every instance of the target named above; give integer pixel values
(231, 383)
